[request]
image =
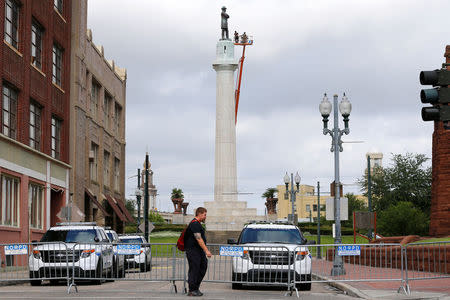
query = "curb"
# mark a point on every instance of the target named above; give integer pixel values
(351, 291)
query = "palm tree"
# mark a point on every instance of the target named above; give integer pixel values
(177, 194)
(269, 193)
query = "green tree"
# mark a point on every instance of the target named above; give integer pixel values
(406, 180)
(130, 205)
(177, 194)
(269, 193)
(402, 219)
(155, 217)
(354, 204)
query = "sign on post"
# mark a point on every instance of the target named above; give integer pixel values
(16, 249)
(349, 250)
(231, 251)
(150, 227)
(128, 249)
(330, 209)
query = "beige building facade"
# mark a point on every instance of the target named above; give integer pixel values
(97, 131)
(305, 202)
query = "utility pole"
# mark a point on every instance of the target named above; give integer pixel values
(146, 197)
(369, 196)
(138, 199)
(318, 219)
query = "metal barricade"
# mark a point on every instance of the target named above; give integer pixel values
(34, 262)
(428, 260)
(99, 262)
(250, 265)
(294, 268)
(362, 262)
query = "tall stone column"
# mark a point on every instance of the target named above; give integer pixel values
(225, 175)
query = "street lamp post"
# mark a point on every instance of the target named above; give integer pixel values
(345, 108)
(292, 192)
(138, 194)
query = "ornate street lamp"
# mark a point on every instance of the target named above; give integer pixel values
(292, 192)
(325, 108)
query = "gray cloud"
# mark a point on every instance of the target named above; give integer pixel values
(373, 51)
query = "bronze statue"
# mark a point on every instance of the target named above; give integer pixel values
(224, 24)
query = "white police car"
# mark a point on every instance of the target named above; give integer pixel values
(142, 255)
(119, 260)
(81, 248)
(271, 253)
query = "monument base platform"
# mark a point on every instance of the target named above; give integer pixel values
(229, 215)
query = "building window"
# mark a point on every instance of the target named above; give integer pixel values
(93, 161)
(314, 207)
(57, 64)
(58, 5)
(116, 174)
(308, 207)
(12, 23)
(106, 163)
(9, 111)
(95, 91)
(56, 138)
(9, 206)
(36, 206)
(36, 44)
(106, 109)
(35, 126)
(117, 116)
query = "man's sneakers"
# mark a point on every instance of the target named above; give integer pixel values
(195, 294)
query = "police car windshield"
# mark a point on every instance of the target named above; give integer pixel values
(131, 240)
(271, 235)
(70, 236)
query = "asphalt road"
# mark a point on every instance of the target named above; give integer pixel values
(158, 290)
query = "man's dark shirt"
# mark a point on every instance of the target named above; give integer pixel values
(189, 239)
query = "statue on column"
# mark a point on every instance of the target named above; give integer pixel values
(224, 24)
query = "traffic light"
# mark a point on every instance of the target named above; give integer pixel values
(439, 96)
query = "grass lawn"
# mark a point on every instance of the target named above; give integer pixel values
(324, 239)
(328, 239)
(445, 239)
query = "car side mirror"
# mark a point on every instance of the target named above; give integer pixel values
(34, 241)
(312, 242)
(107, 241)
(96, 239)
(232, 241)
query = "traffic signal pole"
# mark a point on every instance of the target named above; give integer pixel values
(440, 183)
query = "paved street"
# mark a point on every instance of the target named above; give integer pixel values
(158, 290)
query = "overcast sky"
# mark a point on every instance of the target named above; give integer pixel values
(372, 50)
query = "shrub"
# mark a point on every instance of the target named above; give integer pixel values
(402, 219)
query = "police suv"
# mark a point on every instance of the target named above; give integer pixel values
(272, 252)
(82, 248)
(118, 260)
(141, 259)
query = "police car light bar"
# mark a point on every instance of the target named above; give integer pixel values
(76, 223)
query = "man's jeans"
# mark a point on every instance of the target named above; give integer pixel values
(197, 267)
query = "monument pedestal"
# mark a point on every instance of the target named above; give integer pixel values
(229, 216)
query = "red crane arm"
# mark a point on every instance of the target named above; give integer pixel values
(238, 90)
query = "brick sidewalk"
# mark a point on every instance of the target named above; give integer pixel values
(364, 277)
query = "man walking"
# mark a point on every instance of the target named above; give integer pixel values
(196, 251)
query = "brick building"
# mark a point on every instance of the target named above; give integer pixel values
(34, 132)
(97, 152)
(440, 185)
